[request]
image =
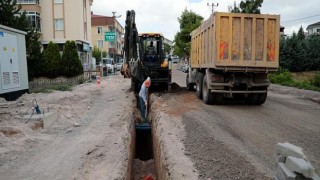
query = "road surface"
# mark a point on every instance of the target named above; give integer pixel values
(236, 140)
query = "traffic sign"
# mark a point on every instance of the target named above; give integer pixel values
(109, 36)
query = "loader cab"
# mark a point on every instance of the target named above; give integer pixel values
(152, 48)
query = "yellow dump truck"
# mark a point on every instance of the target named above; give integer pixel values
(231, 55)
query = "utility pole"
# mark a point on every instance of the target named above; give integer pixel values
(211, 6)
(115, 33)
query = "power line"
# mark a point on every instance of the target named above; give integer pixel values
(301, 18)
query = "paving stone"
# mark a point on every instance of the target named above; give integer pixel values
(283, 173)
(287, 149)
(300, 166)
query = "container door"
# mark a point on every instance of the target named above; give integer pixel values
(10, 77)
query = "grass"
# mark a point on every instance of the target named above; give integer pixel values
(53, 88)
(304, 80)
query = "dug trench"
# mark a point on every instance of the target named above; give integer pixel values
(158, 153)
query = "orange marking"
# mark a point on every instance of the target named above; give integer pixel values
(223, 47)
(271, 50)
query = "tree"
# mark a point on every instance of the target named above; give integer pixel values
(313, 50)
(167, 48)
(71, 63)
(52, 61)
(104, 53)
(9, 11)
(35, 58)
(96, 53)
(301, 35)
(248, 6)
(188, 22)
(11, 16)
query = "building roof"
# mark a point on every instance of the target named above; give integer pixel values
(314, 24)
(98, 20)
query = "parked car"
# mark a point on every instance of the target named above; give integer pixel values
(185, 68)
(109, 63)
(119, 64)
(175, 59)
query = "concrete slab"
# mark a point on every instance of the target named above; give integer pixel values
(286, 149)
(283, 173)
(300, 166)
(47, 118)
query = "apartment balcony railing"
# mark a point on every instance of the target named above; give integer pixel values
(28, 2)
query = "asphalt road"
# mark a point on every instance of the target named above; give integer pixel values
(235, 140)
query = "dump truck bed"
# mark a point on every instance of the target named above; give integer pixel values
(237, 42)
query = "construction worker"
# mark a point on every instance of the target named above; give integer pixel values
(143, 97)
(151, 49)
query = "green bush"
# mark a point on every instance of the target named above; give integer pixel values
(281, 77)
(284, 78)
(70, 59)
(316, 80)
(52, 61)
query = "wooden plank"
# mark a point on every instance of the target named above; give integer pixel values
(242, 39)
(247, 38)
(265, 29)
(224, 38)
(253, 56)
(271, 40)
(217, 23)
(259, 39)
(230, 38)
(277, 41)
(236, 35)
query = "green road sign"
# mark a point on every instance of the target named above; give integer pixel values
(109, 36)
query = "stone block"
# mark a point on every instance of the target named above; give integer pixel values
(48, 118)
(287, 149)
(300, 166)
(280, 159)
(315, 177)
(283, 173)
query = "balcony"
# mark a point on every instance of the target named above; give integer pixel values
(28, 2)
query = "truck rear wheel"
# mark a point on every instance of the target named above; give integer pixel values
(257, 99)
(199, 82)
(207, 96)
(190, 86)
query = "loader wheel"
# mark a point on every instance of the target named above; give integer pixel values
(207, 96)
(190, 86)
(199, 81)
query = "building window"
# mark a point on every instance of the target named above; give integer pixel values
(35, 19)
(58, 1)
(100, 43)
(28, 2)
(318, 30)
(111, 44)
(58, 24)
(99, 30)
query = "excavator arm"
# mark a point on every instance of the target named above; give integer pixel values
(132, 65)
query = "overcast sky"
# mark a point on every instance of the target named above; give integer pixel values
(161, 15)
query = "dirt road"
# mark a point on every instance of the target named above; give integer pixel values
(235, 140)
(92, 138)
(94, 148)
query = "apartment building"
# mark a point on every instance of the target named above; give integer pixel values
(100, 25)
(62, 20)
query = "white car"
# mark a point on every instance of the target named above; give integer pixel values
(109, 63)
(119, 64)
